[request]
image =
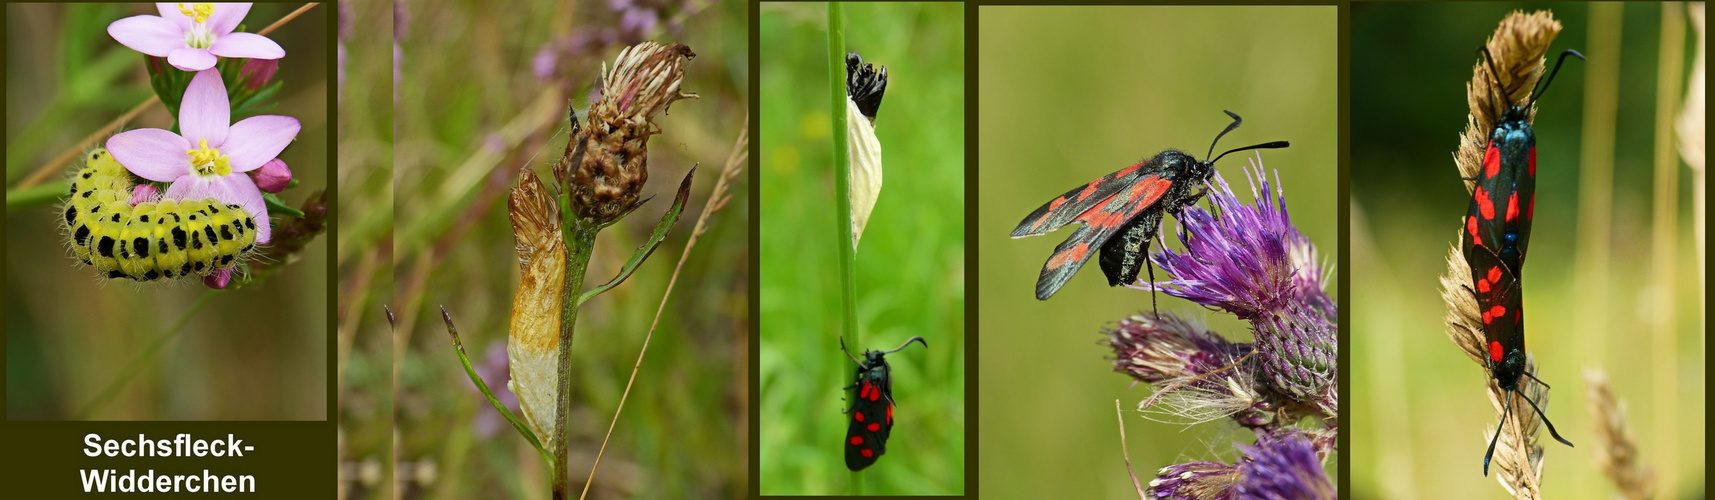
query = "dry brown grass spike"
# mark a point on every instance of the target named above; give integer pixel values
(1616, 451)
(1519, 47)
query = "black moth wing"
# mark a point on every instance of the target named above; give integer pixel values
(871, 413)
(1500, 299)
(1067, 207)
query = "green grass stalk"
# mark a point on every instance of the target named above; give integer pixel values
(1664, 239)
(580, 243)
(842, 189)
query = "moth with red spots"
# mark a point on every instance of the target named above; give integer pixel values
(1496, 236)
(872, 411)
(1129, 204)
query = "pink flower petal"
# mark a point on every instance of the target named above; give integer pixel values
(145, 193)
(151, 153)
(190, 59)
(148, 34)
(246, 45)
(227, 16)
(231, 189)
(218, 279)
(205, 112)
(170, 12)
(255, 140)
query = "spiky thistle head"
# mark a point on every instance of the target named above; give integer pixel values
(606, 162)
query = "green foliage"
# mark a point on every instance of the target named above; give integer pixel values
(910, 264)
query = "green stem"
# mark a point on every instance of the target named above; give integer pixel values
(43, 194)
(148, 354)
(842, 188)
(580, 242)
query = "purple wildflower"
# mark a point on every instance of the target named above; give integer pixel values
(1252, 262)
(1284, 466)
(194, 37)
(1199, 372)
(1195, 481)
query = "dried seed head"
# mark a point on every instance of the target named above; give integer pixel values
(1518, 46)
(606, 162)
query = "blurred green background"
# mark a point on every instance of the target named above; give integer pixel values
(365, 251)
(1068, 95)
(1420, 420)
(482, 92)
(258, 353)
(910, 267)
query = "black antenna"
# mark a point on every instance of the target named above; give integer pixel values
(1235, 124)
(849, 353)
(1489, 60)
(1266, 145)
(1506, 410)
(1535, 93)
(907, 343)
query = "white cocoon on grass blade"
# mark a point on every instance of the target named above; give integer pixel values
(865, 155)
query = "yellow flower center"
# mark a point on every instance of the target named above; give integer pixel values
(198, 11)
(199, 36)
(207, 161)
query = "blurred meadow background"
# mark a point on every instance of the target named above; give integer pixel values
(482, 92)
(910, 263)
(80, 349)
(1615, 256)
(1069, 95)
(365, 249)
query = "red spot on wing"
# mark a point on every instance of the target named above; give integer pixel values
(858, 415)
(890, 414)
(867, 453)
(1530, 213)
(1471, 229)
(1533, 162)
(1486, 318)
(1075, 254)
(1497, 310)
(857, 440)
(875, 394)
(1495, 351)
(1483, 286)
(1495, 274)
(1485, 205)
(864, 393)
(1512, 207)
(874, 427)
(1053, 205)
(1492, 161)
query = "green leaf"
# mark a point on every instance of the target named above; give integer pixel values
(278, 206)
(477, 379)
(655, 239)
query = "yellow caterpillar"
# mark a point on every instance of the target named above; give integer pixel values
(153, 240)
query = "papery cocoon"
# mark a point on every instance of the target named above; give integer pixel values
(532, 346)
(864, 151)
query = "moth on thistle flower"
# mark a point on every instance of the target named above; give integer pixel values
(865, 84)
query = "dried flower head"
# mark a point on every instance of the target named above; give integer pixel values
(606, 162)
(1518, 47)
(1616, 452)
(1200, 375)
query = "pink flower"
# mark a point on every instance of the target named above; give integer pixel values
(210, 159)
(218, 279)
(273, 177)
(191, 36)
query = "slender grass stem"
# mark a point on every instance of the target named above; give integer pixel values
(842, 189)
(148, 354)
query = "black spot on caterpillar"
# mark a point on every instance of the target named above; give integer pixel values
(152, 240)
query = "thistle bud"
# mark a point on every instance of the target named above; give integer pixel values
(606, 162)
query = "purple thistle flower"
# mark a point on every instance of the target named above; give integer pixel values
(1195, 481)
(1284, 466)
(1252, 262)
(1199, 373)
